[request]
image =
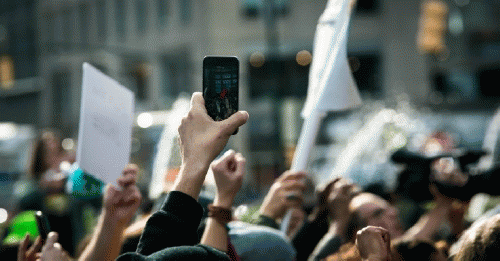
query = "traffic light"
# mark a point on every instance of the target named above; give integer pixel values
(432, 27)
(254, 8)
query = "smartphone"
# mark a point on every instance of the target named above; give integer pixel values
(220, 86)
(43, 225)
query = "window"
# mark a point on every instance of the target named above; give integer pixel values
(141, 16)
(185, 6)
(162, 6)
(50, 31)
(176, 74)
(66, 26)
(367, 7)
(120, 14)
(367, 74)
(83, 11)
(60, 84)
(278, 76)
(101, 20)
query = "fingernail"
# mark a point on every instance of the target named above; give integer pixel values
(245, 113)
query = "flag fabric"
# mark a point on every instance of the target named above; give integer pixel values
(331, 85)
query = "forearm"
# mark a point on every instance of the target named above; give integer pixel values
(331, 242)
(215, 235)
(106, 241)
(191, 178)
(328, 245)
(309, 235)
(428, 224)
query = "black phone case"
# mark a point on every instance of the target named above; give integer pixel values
(221, 86)
(43, 224)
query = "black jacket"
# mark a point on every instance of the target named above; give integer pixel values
(170, 233)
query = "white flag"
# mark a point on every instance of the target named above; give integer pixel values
(331, 85)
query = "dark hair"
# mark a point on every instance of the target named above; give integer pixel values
(38, 162)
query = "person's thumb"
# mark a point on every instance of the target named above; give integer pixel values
(51, 239)
(235, 121)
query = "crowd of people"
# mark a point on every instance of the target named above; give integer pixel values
(344, 222)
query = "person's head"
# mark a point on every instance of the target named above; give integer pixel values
(47, 145)
(417, 250)
(371, 210)
(253, 242)
(481, 242)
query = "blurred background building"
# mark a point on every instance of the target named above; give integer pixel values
(156, 47)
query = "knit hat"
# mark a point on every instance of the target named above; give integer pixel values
(253, 242)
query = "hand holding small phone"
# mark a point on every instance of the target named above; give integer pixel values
(220, 86)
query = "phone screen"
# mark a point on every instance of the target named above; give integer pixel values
(220, 86)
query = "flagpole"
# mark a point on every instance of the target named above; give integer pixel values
(306, 140)
(312, 121)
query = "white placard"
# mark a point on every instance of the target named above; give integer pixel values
(105, 132)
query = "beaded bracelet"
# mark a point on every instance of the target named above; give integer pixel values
(222, 215)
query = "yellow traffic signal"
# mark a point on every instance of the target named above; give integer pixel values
(432, 27)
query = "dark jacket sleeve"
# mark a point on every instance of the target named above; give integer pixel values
(309, 236)
(170, 233)
(328, 247)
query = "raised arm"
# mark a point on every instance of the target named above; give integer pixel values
(374, 244)
(174, 225)
(338, 202)
(430, 222)
(286, 192)
(52, 251)
(228, 173)
(201, 140)
(118, 209)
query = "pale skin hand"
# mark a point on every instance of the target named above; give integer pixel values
(338, 201)
(25, 254)
(374, 244)
(121, 205)
(429, 223)
(52, 251)
(118, 209)
(277, 200)
(228, 173)
(201, 139)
